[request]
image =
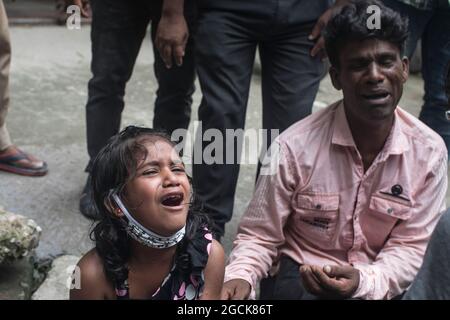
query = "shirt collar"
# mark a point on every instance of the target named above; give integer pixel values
(341, 131)
(396, 142)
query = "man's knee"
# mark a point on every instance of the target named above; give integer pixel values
(107, 85)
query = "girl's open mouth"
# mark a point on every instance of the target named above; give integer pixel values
(172, 199)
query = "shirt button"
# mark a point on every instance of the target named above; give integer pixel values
(390, 210)
(397, 190)
(318, 206)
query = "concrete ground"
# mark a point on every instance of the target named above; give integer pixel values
(49, 76)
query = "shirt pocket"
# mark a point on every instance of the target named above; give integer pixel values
(316, 216)
(384, 213)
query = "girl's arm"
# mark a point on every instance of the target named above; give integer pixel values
(89, 280)
(214, 273)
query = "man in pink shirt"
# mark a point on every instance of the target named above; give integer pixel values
(358, 187)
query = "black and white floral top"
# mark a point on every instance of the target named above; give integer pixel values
(182, 284)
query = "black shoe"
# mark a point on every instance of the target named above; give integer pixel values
(87, 206)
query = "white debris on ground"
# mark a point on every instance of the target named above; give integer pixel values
(18, 236)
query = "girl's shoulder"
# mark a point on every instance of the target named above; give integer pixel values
(92, 282)
(91, 263)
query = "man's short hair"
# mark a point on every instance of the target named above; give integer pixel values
(351, 24)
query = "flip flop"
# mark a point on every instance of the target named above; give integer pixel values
(10, 164)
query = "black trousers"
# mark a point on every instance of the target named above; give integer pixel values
(286, 284)
(118, 29)
(226, 43)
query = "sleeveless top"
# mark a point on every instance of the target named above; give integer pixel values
(182, 284)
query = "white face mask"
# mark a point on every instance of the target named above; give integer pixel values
(141, 234)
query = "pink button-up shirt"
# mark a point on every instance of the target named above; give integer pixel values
(320, 207)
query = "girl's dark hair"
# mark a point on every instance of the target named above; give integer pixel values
(112, 169)
(351, 24)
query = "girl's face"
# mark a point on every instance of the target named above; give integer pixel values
(158, 197)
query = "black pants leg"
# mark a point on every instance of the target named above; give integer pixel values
(118, 29)
(225, 45)
(176, 87)
(225, 52)
(290, 77)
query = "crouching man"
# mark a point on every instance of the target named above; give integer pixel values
(358, 187)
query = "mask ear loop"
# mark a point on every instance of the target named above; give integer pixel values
(112, 204)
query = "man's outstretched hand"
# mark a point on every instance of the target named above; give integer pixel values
(338, 282)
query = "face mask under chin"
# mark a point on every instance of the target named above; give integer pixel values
(143, 235)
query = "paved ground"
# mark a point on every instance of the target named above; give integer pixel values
(49, 74)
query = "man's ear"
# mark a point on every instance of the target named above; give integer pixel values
(334, 75)
(405, 66)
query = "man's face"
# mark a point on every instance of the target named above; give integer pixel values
(371, 75)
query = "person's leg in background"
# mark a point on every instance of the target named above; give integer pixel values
(118, 29)
(5, 61)
(225, 51)
(417, 22)
(447, 84)
(435, 57)
(12, 159)
(175, 85)
(290, 76)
